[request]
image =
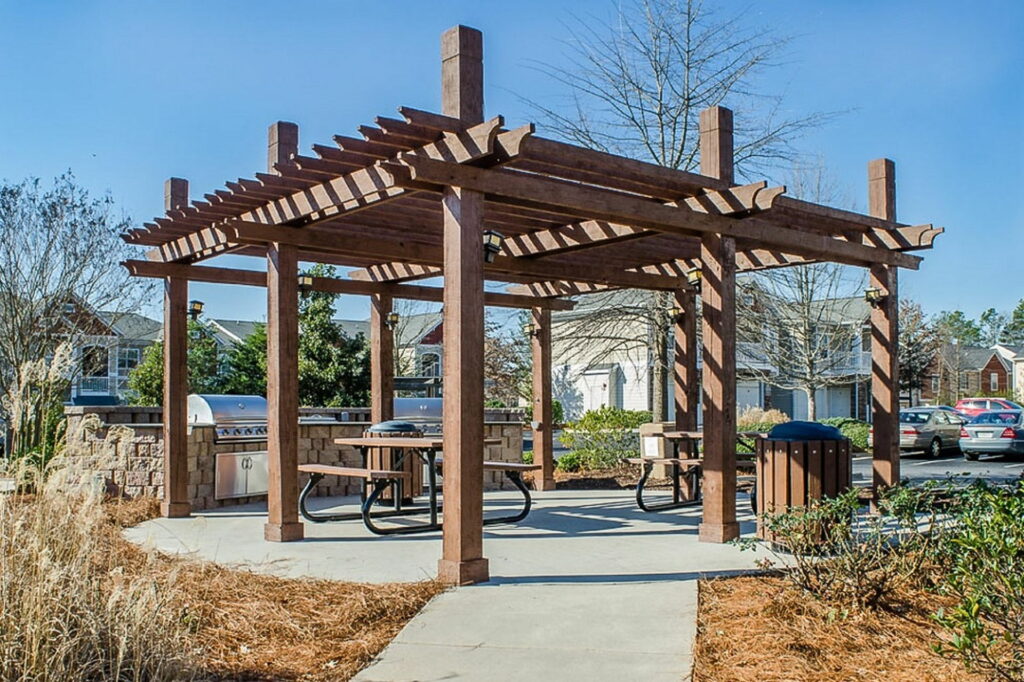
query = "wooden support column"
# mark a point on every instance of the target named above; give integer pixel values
(885, 406)
(543, 415)
(718, 301)
(382, 360)
(282, 144)
(175, 501)
(282, 394)
(462, 561)
(687, 381)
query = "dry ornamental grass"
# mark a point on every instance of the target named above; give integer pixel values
(78, 602)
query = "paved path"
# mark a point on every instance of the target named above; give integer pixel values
(588, 587)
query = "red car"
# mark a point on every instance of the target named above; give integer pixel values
(975, 406)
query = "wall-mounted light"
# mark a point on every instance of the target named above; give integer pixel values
(392, 320)
(531, 329)
(195, 309)
(492, 245)
(694, 276)
(676, 313)
(305, 282)
(874, 297)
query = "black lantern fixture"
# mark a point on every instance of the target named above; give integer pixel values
(530, 329)
(874, 297)
(492, 245)
(305, 282)
(676, 313)
(195, 309)
(392, 320)
(693, 277)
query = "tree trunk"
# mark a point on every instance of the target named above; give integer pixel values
(812, 408)
(659, 377)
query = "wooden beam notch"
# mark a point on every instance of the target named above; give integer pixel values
(282, 145)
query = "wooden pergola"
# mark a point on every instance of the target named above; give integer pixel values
(412, 199)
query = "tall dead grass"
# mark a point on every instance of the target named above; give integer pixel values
(76, 604)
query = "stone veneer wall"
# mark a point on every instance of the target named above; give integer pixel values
(124, 445)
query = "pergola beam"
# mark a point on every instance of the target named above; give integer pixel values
(257, 278)
(602, 204)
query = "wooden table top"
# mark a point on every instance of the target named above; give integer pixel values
(422, 442)
(697, 435)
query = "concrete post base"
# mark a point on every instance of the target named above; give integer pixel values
(175, 510)
(283, 532)
(463, 572)
(719, 532)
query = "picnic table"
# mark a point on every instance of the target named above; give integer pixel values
(427, 449)
(686, 466)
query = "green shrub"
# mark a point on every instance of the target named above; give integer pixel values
(527, 456)
(843, 555)
(570, 461)
(602, 438)
(557, 412)
(854, 429)
(984, 562)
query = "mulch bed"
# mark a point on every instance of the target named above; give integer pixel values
(620, 478)
(251, 626)
(761, 628)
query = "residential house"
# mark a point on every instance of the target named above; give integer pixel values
(603, 356)
(107, 353)
(964, 371)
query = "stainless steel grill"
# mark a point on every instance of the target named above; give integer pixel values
(426, 413)
(237, 418)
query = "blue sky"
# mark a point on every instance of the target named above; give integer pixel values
(127, 94)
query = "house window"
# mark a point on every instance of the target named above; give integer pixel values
(430, 365)
(94, 361)
(127, 360)
(963, 382)
(935, 383)
(993, 381)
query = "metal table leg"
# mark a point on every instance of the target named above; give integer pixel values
(648, 466)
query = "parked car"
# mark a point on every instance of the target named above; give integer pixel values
(975, 406)
(997, 432)
(932, 429)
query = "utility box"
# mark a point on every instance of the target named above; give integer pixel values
(654, 446)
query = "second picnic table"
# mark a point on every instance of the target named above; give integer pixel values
(427, 448)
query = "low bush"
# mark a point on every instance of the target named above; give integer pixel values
(983, 562)
(527, 456)
(602, 438)
(854, 429)
(841, 554)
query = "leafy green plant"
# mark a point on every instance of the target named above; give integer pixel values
(570, 461)
(843, 555)
(984, 562)
(34, 407)
(853, 429)
(602, 438)
(527, 456)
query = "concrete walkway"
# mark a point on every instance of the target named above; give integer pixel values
(588, 587)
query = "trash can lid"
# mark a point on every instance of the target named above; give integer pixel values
(393, 426)
(805, 431)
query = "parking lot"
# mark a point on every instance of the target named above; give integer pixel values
(920, 467)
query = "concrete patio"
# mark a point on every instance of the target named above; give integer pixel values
(587, 587)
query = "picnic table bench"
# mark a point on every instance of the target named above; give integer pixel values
(690, 465)
(378, 480)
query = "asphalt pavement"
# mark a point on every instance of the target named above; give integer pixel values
(920, 467)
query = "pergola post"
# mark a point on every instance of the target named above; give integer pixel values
(175, 501)
(884, 335)
(687, 381)
(282, 366)
(462, 561)
(543, 415)
(382, 359)
(718, 303)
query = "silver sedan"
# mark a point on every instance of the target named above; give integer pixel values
(997, 432)
(931, 429)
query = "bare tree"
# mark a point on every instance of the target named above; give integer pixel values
(798, 326)
(60, 254)
(636, 86)
(918, 348)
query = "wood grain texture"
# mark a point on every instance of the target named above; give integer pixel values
(282, 144)
(175, 501)
(282, 394)
(382, 359)
(686, 384)
(543, 415)
(463, 428)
